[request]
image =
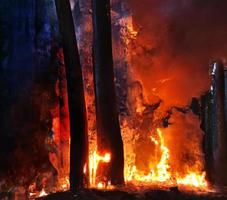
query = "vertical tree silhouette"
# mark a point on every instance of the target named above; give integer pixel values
(108, 128)
(76, 99)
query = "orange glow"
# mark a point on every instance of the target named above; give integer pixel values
(166, 148)
(194, 180)
(94, 160)
(100, 185)
(63, 184)
(173, 156)
(161, 173)
(158, 174)
(43, 193)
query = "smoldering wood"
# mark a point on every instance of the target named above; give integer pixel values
(108, 128)
(76, 100)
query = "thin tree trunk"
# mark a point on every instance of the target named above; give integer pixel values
(208, 140)
(76, 100)
(220, 140)
(108, 128)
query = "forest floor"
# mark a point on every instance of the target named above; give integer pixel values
(148, 194)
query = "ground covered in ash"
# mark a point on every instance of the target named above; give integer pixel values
(172, 194)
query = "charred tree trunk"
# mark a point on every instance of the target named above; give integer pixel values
(207, 127)
(108, 128)
(76, 100)
(220, 142)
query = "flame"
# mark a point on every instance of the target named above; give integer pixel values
(161, 172)
(158, 174)
(94, 160)
(193, 179)
(64, 184)
(100, 185)
(42, 193)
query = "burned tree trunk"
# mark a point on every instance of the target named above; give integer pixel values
(220, 140)
(76, 100)
(109, 134)
(208, 128)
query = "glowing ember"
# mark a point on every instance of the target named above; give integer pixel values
(100, 185)
(94, 160)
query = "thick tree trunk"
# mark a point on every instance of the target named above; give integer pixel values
(76, 101)
(108, 128)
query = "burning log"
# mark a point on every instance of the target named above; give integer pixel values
(76, 100)
(109, 134)
(220, 140)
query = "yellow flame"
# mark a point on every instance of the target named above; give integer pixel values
(100, 185)
(42, 193)
(94, 160)
(64, 184)
(193, 179)
(161, 173)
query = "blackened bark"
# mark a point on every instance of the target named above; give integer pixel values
(108, 128)
(76, 100)
(220, 142)
(206, 126)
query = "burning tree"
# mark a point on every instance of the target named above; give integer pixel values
(76, 100)
(108, 128)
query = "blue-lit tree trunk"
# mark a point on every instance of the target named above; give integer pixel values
(108, 128)
(76, 100)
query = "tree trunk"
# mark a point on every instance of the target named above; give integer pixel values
(220, 140)
(108, 128)
(208, 141)
(76, 101)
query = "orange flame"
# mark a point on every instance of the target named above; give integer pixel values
(161, 173)
(42, 193)
(94, 160)
(193, 179)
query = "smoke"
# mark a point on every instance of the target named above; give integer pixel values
(176, 42)
(170, 58)
(183, 139)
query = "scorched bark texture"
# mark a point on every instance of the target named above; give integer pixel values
(220, 142)
(76, 100)
(108, 128)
